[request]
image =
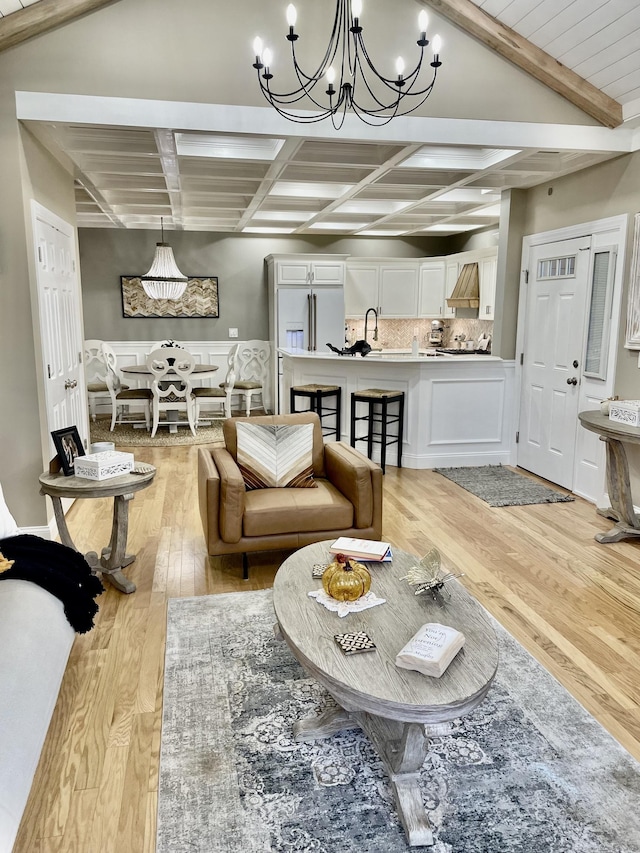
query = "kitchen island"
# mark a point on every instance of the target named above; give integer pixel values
(459, 409)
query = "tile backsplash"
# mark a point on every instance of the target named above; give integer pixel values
(398, 334)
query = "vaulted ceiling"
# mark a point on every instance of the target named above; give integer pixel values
(130, 177)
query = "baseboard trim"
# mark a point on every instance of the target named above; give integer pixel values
(44, 532)
(453, 460)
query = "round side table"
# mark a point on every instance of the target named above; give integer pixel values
(114, 557)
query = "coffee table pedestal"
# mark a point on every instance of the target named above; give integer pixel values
(402, 747)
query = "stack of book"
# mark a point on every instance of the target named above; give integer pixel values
(431, 649)
(369, 550)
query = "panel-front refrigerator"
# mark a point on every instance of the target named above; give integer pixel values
(308, 318)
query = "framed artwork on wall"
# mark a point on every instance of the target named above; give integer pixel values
(200, 299)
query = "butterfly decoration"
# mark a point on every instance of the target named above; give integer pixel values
(428, 577)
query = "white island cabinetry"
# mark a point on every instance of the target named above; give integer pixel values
(458, 409)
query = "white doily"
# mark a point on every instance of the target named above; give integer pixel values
(343, 608)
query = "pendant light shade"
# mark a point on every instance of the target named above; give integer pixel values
(164, 280)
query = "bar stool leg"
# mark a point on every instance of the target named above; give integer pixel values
(371, 410)
(383, 437)
(338, 413)
(400, 429)
(353, 422)
(292, 401)
(318, 405)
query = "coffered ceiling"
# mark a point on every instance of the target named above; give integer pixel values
(130, 178)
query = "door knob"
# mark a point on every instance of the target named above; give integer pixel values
(572, 381)
(67, 384)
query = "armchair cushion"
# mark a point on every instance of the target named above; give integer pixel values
(275, 455)
(272, 511)
(230, 425)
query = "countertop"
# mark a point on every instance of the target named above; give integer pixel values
(389, 356)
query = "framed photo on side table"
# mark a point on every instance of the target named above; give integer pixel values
(68, 445)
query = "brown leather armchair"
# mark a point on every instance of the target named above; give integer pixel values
(347, 502)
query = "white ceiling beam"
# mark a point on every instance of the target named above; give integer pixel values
(42, 17)
(530, 58)
(228, 118)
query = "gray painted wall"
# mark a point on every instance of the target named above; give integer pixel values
(237, 260)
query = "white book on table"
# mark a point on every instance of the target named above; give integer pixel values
(431, 649)
(364, 549)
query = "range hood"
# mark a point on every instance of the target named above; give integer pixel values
(466, 293)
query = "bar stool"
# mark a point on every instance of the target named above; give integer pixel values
(378, 401)
(316, 395)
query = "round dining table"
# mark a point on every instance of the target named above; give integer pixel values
(142, 372)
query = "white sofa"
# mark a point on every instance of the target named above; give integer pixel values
(35, 641)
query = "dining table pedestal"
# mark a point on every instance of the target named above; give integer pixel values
(142, 372)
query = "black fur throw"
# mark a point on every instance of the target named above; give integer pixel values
(60, 570)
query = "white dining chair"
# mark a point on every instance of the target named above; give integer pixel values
(121, 395)
(95, 371)
(248, 366)
(172, 386)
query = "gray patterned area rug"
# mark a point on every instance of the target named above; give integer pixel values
(529, 771)
(500, 486)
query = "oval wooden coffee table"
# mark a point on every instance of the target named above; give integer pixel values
(391, 705)
(114, 557)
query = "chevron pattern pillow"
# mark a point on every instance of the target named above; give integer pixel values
(276, 455)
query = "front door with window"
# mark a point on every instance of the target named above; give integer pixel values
(556, 312)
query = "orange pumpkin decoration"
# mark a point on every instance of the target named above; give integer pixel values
(345, 579)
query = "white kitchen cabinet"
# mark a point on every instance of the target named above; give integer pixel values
(305, 269)
(361, 289)
(431, 289)
(398, 290)
(391, 287)
(487, 271)
(452, 270)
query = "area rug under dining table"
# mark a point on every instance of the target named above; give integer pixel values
(529, 771)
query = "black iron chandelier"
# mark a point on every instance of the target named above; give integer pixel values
(358, 86)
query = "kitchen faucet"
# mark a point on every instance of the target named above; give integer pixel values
(375, 331)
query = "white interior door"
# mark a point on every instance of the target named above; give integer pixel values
(556, 310)
(60, 322)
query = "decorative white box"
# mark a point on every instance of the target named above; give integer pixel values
(102, 466)
(625, 412)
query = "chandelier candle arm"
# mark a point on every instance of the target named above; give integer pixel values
(361, 88)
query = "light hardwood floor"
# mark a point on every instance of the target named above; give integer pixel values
(571, 602)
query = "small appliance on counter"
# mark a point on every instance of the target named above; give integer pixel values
(484, 343)
(435, 336)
